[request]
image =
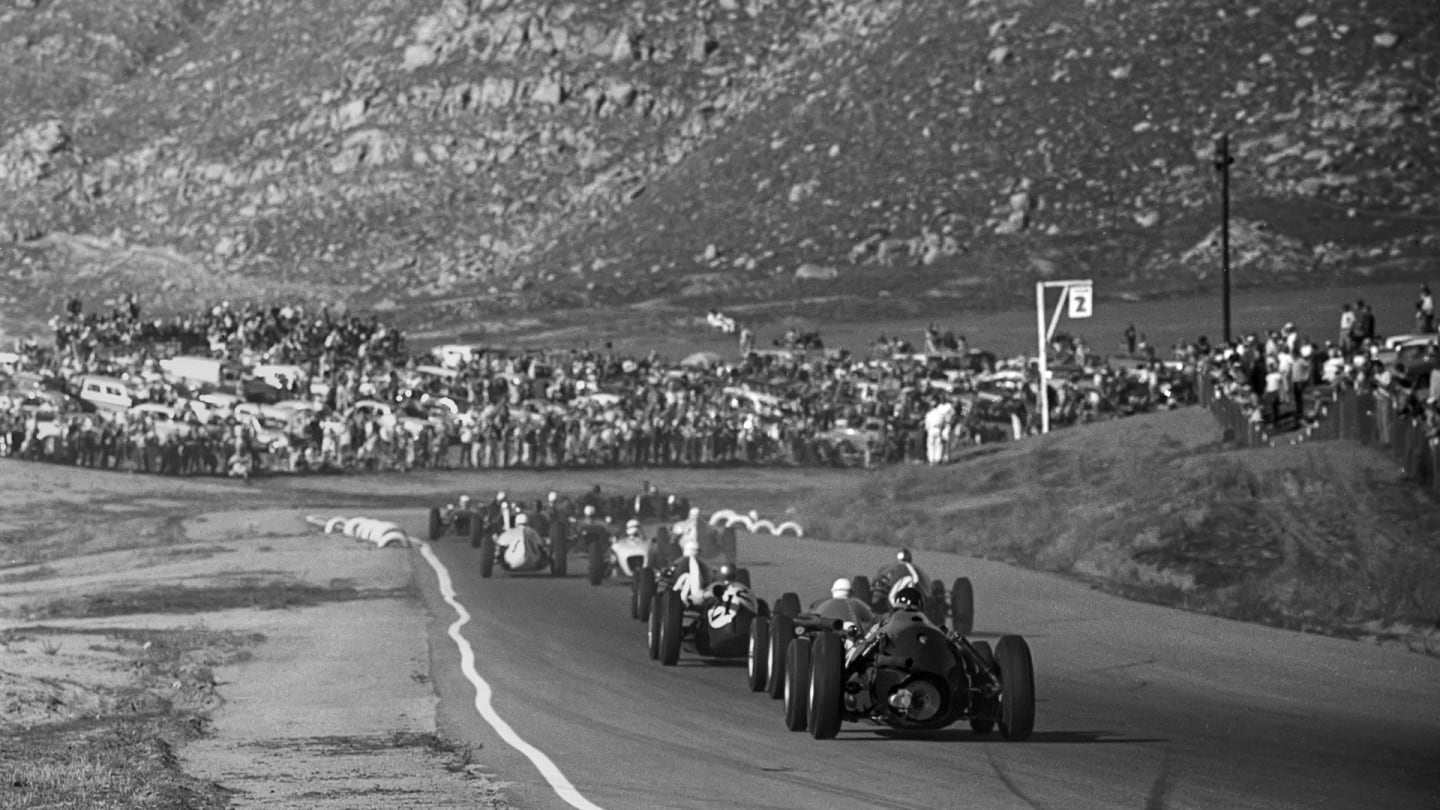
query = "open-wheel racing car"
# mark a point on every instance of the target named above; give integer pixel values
(711, 614)
(957, 608)
(715, 548)
(623, 557)
(464, 518)
(520, 549)
(907, 673)
(769, 635)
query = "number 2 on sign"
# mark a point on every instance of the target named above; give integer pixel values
(1081, 300)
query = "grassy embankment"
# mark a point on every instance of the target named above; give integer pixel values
(1323, 537)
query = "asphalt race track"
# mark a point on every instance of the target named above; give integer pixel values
(1139, 706)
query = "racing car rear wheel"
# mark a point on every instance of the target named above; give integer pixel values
(962, 606)
(1017, 688)
(860, 588)
(758, 654)
(477, 532)
(652, 636)
(788, 604)
(635, 597)
(559, 554)
(645, 591)
(672, 614)
(782, 629)
(596, 572)
(487, 555)
(982, 717)
(435, 526)
(797, 683)
(827, 678)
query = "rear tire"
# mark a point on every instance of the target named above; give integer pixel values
(788, 604)
(962, 606)
(860, 588)
(477, 532)
(487, 556)
(984, 722)
(596, 571)
(635, 597)
(758, 654)
(645, 592)
(435, 525)
(652, 635)
(782, 630)
(797, 683)
(827, 678)
(672, 614)
(1017, 688)
(559, 554)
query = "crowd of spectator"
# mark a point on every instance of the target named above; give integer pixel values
(359, 399)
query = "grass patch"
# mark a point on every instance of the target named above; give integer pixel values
(1309, 537)
(123, 756)
(38, 572)
(272, 595)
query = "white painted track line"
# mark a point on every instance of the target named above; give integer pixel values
(547, 768)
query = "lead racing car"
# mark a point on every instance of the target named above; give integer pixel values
(907, 673)
(958, 606)
(520, 549)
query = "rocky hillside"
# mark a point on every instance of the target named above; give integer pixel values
(449, 158)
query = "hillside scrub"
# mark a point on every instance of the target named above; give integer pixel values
(1320, 536)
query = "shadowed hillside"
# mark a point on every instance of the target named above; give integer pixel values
(455, 158)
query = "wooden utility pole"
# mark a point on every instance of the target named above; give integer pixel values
(1223, 161)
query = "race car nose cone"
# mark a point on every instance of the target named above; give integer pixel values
(901, 700)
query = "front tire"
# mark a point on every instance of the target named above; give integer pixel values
(827, 678)
(477, 532)
(797, 683)
(860, 588)
(435, 527)
(487, 556)
(962, 606)
(782, 630)
(758, 654)
(1017, 688)
(788, 604)
(672, 614)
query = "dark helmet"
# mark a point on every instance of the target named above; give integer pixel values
(907, 597)
(727, 572)
(904, 555)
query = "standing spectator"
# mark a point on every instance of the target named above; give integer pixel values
(1425, 310)
(1347, 329)
(1130, 336)
(1365, 320)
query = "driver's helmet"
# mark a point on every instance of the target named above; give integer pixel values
(589, 510)
(736, 596)
(522, 519)
(840, 589)
(632, 527)
(904, 556)
(464, 501)
(906, 595)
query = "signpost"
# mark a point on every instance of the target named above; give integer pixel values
(1077, 298)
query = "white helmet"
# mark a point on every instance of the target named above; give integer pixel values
(464, 501)
(906, 583)
(553, 496)
(632, 523)
(589, 510)
(840, 589)
(522, 519)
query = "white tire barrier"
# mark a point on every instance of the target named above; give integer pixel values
(380, 532)
(755, 524)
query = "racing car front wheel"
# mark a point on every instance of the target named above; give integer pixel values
(860, 588)
(782, 629)
(477, 533)
(435, 525)
(788, 604)
(962, 606)
(797, 683)
(758, 653)
(1017, 688)
(487, 556)
(652, 635)
(827, 678)
(645, 592)
(672, 614)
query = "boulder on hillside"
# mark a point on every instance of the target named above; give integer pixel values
(816, 272)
